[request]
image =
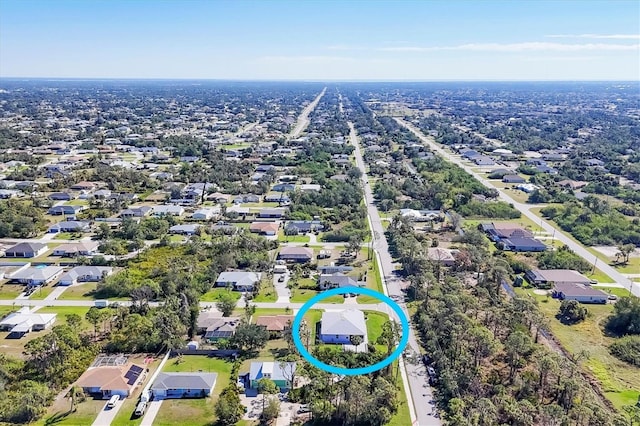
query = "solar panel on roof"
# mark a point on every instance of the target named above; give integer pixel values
(133, 374)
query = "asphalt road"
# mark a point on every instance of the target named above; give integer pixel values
(416, 373)
(303, 119)
(525, 209)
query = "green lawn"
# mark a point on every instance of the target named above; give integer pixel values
(402, 417)
(313, 317)
(599, 276)
(79, 292)
(618, 291)
(6, 310)
(186, 412)
(41, 293)
(85, 414)
(261, 312)
(67, 236)
(620, 381)
(303, 295)
(632, 267)
(375, 320)
(267, 292)
(292, 238)
(10, 291)
(196, 412)
(374, 282)
(62, 311)
(176, 238)
(77, 202)
(213, 294)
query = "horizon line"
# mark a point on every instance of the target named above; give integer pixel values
(304, 80)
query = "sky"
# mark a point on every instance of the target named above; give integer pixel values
(422, 40)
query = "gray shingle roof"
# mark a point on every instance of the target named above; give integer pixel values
(166, 381)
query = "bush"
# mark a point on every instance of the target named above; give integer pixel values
(626, 316)
(627, 349)
(572, 312)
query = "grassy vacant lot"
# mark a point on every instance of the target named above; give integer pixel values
(10, 291)
(267, 291)
(79, 292)
(213, 294)
(63, 311)
(196, 412)
(620, 381)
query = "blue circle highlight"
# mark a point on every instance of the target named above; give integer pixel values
(404, 322)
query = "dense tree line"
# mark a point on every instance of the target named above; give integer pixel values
(595, 223)
(20, 219)
(484, 346)
(52, 362)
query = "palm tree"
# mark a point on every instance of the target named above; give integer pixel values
(498, 271)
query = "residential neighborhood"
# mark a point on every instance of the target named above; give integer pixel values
(152, 269)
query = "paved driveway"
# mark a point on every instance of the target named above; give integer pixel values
(106, 416)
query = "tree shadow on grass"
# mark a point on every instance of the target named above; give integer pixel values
(57, 418)
(279, 352)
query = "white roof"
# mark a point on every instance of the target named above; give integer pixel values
(33, 273)
(267, 367)
(346, 322)
(17, 318)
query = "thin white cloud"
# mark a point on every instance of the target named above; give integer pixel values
(598, 36)
(519, 47)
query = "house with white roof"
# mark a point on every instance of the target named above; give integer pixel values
(339, 326)
(37, 275)
(239, 280)
(168, 211)
(22, 322)
(85, 274)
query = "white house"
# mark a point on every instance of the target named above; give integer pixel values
(205, 214)
(339, 326)
(36, 275)
(84, 274)
(22, 322)
(168, 211)
(83, 248)
(239, 280)
(186, 229)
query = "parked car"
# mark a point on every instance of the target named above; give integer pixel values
(613, 297)
(433, 376)
(142, 406)
(112, 401)
(304, 409)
